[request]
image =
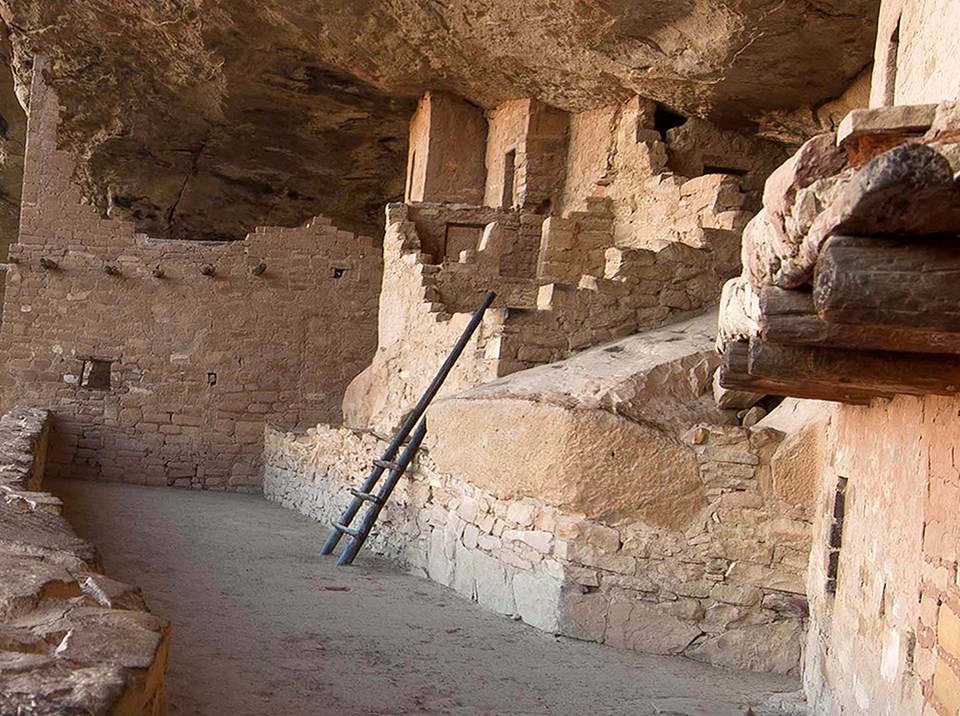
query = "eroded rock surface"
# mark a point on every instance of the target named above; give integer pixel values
(71, 639)
(606, 421)
(204, 118)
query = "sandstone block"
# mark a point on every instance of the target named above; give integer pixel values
(767, 647)
(537, 599)
(583, 615)
(899, 120)
(647, 628)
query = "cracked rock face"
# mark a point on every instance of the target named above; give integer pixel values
(205, 118)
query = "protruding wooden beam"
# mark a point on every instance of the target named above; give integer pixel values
(889, 282)
(877, 373)
(735, 375)
(789, 317)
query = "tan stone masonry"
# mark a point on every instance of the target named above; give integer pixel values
(197, 343)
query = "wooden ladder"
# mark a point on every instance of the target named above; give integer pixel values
(389, 461)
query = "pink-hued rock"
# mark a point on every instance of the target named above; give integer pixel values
(906, 190)
(816, 159)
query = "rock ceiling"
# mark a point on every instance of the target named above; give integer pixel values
(205, 118)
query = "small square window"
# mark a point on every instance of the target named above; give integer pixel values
(338, 272)
(96, 374)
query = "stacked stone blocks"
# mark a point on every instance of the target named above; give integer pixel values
(728, 589)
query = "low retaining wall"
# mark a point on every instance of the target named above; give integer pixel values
(728, 590)
(71, 639)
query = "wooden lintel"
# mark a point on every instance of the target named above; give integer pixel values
(877, 373)
(898, 282)
(734, 375)
(789, 317)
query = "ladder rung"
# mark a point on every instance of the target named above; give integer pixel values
(365, 496)
(387, 464)
(346, 530)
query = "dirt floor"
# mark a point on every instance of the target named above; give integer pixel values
(263, 625)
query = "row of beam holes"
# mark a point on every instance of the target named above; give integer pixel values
(835, 540)
(207, 269)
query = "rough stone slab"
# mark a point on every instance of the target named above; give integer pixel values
(902, 120)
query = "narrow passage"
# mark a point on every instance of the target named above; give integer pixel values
(263, 625)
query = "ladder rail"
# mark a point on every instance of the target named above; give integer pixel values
(370, 518)
(411, 420)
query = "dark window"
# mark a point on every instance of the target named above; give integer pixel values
(509, 176)
(96, 374)
(718, 169)
(835, 538)
(338, 272)
(665, 119)
(413, 168)
(890, 71)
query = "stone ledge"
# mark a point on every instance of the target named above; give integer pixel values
(71, 639)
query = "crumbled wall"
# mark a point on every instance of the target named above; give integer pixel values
(664, 187)
(425, 305)
(198, 362)
(74, 641)
(415, 333)
(727, 588)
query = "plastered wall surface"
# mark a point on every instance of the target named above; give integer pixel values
(201, 349)
(889, 641)
(860, 654)
(446, 151)
(927, 54)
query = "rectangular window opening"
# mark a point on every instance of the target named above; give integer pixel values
(509, 177)
(96, 374)
(835, 538)
(890, 69)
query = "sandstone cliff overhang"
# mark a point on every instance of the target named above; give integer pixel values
(205, 118)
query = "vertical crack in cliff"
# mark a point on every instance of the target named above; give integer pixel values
(172, 211)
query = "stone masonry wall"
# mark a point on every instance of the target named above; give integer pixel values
(193, 345)
(425, 304)
(534, 136)
(926, 56)
(727, 590)
(681, 185)
(445, 157)
(888, 641)
(73, 640)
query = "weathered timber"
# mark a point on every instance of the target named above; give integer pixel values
(877, 373)
(883, 282)
(735, 375)
(907, 191)
(790, 317)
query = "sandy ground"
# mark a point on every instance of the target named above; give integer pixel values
(263, 625)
